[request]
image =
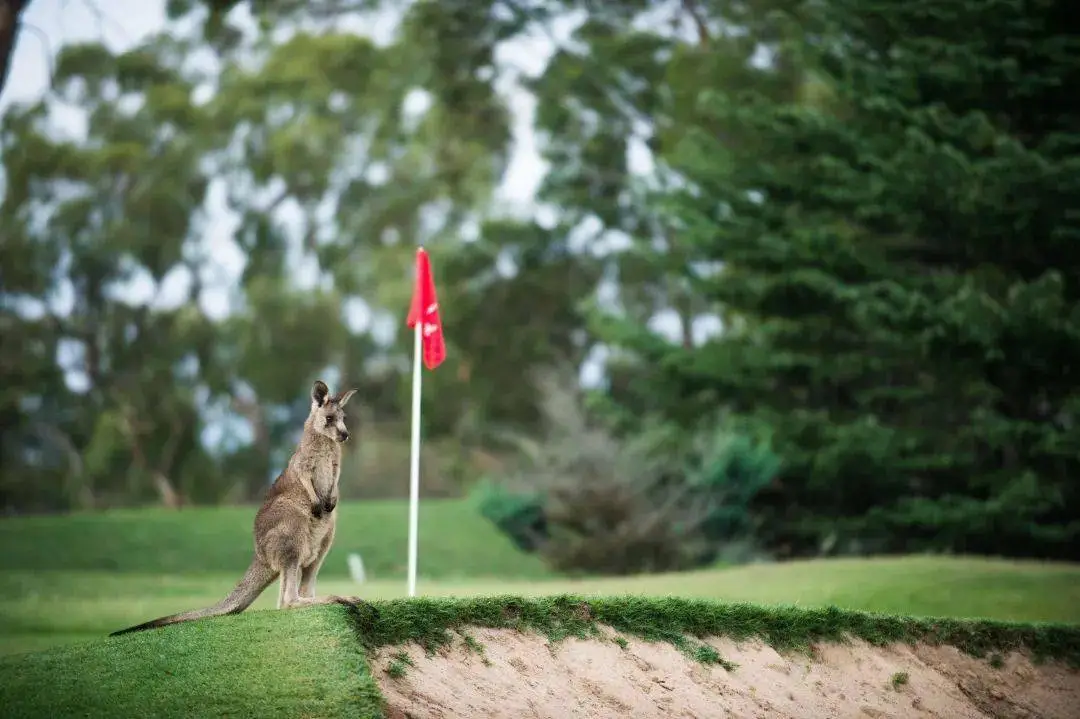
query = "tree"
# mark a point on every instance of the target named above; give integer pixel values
(102, 397)
(907, 297)
(415, 147)
(337, 156)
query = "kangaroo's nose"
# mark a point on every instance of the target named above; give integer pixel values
(344, 435)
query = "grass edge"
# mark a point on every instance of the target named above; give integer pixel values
(430, 622)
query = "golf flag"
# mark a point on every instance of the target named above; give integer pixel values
(430, 346)
(425, 310)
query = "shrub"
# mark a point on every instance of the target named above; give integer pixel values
(591, 502)
(613, 508)
(519, 516)
(727, 473)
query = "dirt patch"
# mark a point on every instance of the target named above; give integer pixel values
(504, 673)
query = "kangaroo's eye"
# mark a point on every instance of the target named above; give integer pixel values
(329, 421)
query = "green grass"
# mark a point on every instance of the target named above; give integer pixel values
(303, 663)
(43, 609)
(431, 621)
(310, 662)
(455, 541)
(71, 579)
(398, 664)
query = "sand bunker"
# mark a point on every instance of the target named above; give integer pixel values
(522, 675)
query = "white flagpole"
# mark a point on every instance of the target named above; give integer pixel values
(414, 459)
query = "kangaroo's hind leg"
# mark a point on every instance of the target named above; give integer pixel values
(310, 573)
(290, 585)
(281, 592)
(291, 576)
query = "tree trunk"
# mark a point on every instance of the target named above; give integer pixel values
(10, 11)
(170, 498)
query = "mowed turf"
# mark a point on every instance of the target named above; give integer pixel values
(454, 541)
(302, 663)
(74, 579)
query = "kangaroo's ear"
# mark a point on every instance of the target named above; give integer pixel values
(319, 391)
(344, 397)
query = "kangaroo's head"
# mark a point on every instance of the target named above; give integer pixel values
(328, 412)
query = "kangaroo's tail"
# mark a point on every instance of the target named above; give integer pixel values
(254, 582)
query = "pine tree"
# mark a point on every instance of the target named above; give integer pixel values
(902, 282)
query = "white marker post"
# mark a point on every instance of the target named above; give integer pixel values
(429, 346)
(414, 459)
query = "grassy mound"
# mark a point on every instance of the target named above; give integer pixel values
(265, 664)
(311, 662)
(454, 541)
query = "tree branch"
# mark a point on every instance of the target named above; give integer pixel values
(695, 14)
(133, 431)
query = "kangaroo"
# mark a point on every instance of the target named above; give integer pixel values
(294, 527)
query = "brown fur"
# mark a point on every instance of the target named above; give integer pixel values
(294, 527)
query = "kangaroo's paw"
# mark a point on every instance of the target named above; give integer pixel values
(310, 602)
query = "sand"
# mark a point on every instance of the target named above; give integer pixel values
(523, 675)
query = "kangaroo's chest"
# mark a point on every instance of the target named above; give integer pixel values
(327, 473)
(323, 472)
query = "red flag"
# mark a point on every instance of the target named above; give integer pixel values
(425, 310)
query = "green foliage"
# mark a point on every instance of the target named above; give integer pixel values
(538, 304)
(606, 506)
(337, 155)
(589, 501)
(85, 219)
(518, 516)
(726, 477)
(886, 238)
(898, 310)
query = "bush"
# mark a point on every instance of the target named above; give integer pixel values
(613, 508)
(519, 516)
(587, 501)
(727, 474)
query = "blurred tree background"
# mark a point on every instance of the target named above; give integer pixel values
(796, 279)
